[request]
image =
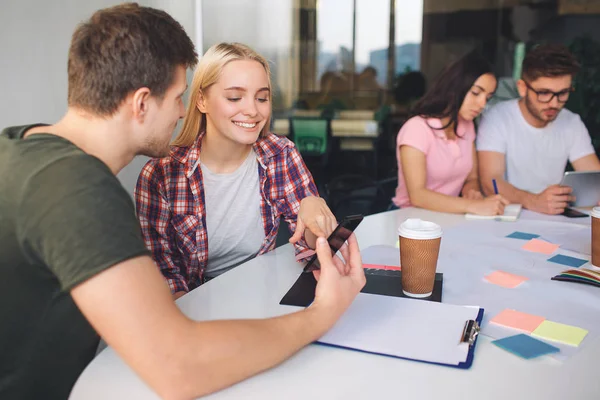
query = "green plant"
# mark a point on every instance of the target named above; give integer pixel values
(585, 100)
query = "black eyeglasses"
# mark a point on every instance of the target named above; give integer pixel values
(546, 96)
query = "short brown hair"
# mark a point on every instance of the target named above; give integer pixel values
(548, 60)
(121, 49)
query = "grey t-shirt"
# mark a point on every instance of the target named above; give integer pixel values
(64, 217)
(233, 217)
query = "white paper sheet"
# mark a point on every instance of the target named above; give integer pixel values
(511, 214)
(382, 255)
(415, 329)
(579, 241)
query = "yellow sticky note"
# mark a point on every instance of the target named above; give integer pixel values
(561, 333)
(398, 244)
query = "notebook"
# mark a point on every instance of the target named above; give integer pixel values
(511, 214)
(579, 275)
(383, 280)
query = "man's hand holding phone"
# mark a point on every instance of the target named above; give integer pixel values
(338, 281)
(551, 201)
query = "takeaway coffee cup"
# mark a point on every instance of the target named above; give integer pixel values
(596, 236)
(419, 250)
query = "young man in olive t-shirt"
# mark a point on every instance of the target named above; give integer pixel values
(72, 260)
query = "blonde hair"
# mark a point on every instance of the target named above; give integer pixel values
(207, 73)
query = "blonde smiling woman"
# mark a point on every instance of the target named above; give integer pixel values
(216, 199)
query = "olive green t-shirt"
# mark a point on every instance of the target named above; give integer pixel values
(64, 217)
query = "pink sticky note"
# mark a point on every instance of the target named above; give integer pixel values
(518, 320)
(505, 279)
(392, 268)
(381, 266)
(540, 246)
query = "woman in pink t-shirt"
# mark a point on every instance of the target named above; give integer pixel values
(435, 148)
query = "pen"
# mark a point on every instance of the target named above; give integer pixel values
(495, 186)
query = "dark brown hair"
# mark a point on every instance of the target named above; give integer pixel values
(548, 60)
(121, 49)
(445, 97)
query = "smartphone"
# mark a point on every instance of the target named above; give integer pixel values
(572, 213)
(337, 238)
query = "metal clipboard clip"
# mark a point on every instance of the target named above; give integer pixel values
(470, 332)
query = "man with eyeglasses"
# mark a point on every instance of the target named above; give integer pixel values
(524, 144)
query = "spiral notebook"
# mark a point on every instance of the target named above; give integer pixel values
(511, 214)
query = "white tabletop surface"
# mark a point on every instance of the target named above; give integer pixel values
(253, 290)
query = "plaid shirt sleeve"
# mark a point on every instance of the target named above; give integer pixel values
(298, 185)
(154, 215)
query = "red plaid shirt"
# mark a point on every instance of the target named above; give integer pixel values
(169, 198)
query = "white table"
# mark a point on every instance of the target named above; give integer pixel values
(254, 290)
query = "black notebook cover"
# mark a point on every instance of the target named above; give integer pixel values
(302, 293)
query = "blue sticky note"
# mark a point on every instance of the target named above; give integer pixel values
(569, 261)
(523, 235)
(525, 346)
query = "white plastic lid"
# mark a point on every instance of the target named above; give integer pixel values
(596, 212)
(415, 228)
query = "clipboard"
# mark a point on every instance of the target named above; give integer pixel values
(429, 332)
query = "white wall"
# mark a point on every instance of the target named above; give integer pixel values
(265, 25)
(34, 42)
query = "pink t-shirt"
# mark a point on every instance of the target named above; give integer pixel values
(448, 161)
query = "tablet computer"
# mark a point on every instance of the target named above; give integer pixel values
(586, 187)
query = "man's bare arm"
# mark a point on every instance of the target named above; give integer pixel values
(587, 163)
(492, 165)
(182, 359)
